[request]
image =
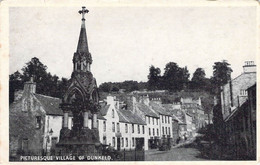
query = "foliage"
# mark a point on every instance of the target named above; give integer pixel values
(154, 78)
(221, 74)
(128, 86)
(47, 84)
(175, 78)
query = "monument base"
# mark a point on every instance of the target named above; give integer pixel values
(84, 142)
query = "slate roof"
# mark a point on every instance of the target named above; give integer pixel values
(104, 108)
(146, 110)
(50, 104)
(160, 109)
(127, 116)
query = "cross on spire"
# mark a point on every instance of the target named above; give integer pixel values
(83, 12)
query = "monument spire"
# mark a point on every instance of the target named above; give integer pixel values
(83, 42)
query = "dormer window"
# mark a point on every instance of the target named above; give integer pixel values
(243, 92)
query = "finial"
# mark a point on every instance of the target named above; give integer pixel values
(83, 12)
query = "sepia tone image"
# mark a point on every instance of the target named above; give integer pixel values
(146, 83)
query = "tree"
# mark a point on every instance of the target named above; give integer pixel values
(199, 79)
(46, 84)
(221, 74)
(175, 78)
(15, 83)
(154, 78)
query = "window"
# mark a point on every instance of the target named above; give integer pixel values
(122, 142)
(126, 128)
(118, 127)
(104, 140)
(243, 92)
(169, 119)
(104, 126)
(157, 121)
(143, 129)
(138, 129)
(38, 122)
(114, 142)
(153, 132)
(153, 121)
(157, 132)
(162, 119)
(149, 131)
(163, 130)
(25, 144)
(133, 128)
(126, 142)
(113, 113)
(169, 131)
(165, 119)
(133, 142)
(149, 120)
(166, 130)
(113, 126)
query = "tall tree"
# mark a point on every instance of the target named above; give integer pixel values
(175, 77)
(154, 78)
(221, 74)
(198, 80)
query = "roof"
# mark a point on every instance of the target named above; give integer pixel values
(235, 110)
(83, 42)
(50, 104)
(160, 109)
(177, 119)
(127, 116)
(146, 110)
(104, 109)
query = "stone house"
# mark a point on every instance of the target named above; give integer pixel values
(36, 121)
(241, 127)
(234, 93)
(194, 108)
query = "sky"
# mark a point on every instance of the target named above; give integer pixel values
(126, 41)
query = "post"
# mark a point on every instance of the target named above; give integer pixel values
(94, 120)
(65, 120)
(85, 119)
(124, 154)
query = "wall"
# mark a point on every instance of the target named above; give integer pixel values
(242, 82)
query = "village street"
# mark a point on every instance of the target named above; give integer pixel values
(175, 154)
(181, 152)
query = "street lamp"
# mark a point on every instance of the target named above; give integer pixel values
(49, 133)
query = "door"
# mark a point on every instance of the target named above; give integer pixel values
(118, 143)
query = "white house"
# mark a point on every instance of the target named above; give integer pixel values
(122, 129)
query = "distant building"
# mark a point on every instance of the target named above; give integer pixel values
(194, 108)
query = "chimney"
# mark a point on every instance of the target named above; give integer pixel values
(29, 86)
(146, 100)
(110, 99)
(249, 67)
